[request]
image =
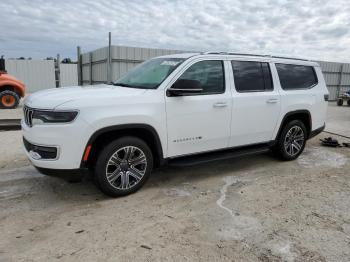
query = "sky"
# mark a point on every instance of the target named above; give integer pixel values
(314, 29)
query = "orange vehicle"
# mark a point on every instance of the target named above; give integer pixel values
(11, 89)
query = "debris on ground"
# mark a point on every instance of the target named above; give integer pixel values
(146, 247)
(329, 141)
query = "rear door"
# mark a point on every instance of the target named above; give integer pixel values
(256, 103)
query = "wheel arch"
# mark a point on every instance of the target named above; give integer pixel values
(12, 86)
(104, 135)
(302, 115)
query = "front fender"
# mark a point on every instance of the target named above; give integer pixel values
(16, 85)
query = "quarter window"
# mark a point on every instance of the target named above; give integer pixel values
(252, 76)
(209, 73)
(296, 76)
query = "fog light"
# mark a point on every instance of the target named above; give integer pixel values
(34, 155)
(41, 152)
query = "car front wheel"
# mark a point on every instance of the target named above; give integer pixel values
(123, 166)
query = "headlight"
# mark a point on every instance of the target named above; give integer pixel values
(47, 117)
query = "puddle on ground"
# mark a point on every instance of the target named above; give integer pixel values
(321, 157)
(236, 226)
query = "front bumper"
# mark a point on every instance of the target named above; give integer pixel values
(69, 140)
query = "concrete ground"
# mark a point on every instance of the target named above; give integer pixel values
(254, 208)
(16, 113)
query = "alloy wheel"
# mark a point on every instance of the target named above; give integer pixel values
(126, 167)
(294, 140)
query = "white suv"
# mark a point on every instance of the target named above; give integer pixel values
(179, 109)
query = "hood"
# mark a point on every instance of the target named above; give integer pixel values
(93, 95)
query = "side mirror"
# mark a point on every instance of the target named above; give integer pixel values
(185, 87)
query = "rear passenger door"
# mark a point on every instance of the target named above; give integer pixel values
(256, 103)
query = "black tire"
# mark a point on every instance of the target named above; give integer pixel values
(348, 102)
(9, 99)
(340, 102)
(127, 170)
(283, 150)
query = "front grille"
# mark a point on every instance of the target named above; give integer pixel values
(28, 115)
(45, 152)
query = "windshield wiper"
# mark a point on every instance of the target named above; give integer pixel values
(122, 84)
(131, 86)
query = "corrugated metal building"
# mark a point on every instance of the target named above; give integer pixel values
(94, 66)
(36, 74)
(68, 75)
(337, 76)
(40, 74)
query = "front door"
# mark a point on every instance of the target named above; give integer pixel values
(200, 122)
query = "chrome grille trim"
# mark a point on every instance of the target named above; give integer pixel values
(28, 115)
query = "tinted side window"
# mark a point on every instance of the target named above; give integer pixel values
(267, 76)
(210, 74)
(296, 76)
(252, 76)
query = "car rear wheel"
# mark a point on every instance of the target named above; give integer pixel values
(340, 102)
(123, 166)
(9, 99)
(292, 140)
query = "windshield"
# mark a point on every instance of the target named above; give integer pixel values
(149, 74)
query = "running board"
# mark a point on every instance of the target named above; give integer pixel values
(218, 155)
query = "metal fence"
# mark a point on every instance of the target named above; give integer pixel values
(40, 74)
(337, 76)
(36, 74)
(95, 66)
(68, 75)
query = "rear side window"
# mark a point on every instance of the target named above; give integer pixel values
(296, 76)
(252, 76)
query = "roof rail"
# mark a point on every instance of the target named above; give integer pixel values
(245, 54)
(231, 53)
(214, 53)
(292, 58)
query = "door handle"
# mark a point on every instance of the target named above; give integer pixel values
(220, 104)
(272, 101)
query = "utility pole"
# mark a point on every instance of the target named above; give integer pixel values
(57, 70)
(340, 82)
(80, 80)
(109, 59)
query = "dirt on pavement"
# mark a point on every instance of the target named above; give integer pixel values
(255, 208)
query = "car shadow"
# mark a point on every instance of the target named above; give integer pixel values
(86, 191)
(236, 166)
